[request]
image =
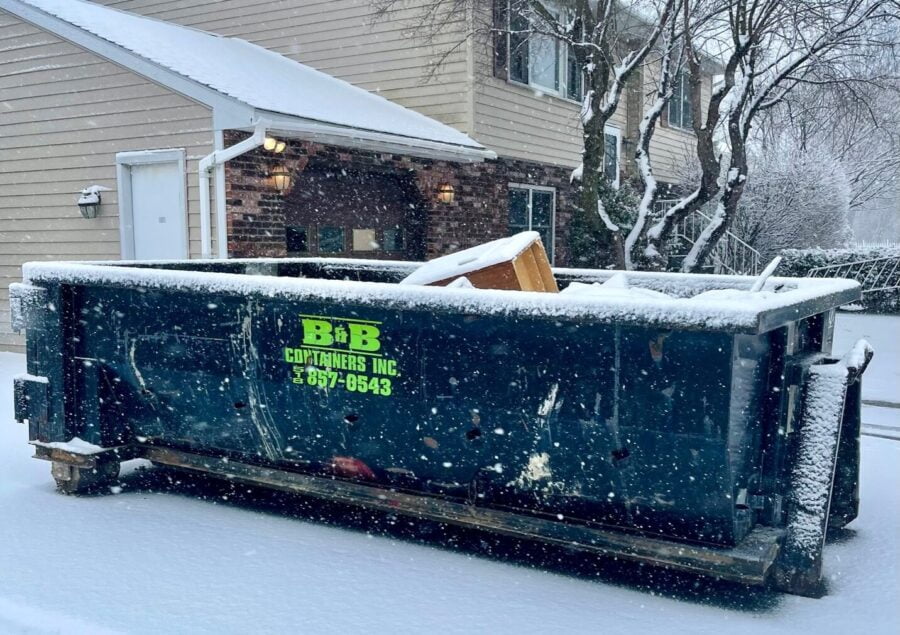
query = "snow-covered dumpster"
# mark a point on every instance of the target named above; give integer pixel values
(677, 420)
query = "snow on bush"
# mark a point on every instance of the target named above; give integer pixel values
(794, 200)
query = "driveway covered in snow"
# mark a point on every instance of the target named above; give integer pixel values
(153, 557)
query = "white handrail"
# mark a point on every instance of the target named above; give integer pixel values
(730, 255)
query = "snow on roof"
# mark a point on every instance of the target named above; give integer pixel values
(473, 259)
(251, 74)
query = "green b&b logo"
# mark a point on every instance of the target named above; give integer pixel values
(352, 335)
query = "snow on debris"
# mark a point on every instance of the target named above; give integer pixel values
(251, 74)
(461, 283)
(472, 259)
(615, 287)
(675, 312)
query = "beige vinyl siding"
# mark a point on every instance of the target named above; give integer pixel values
(64, 114)
(342, 38)
(517, 121)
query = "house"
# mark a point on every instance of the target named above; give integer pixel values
(133, 95)
(530, 119)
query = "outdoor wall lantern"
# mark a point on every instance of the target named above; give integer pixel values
(274, 145)
(89, 200)
(281, 178)
(445, 193)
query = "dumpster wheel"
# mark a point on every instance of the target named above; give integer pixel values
(71, 479)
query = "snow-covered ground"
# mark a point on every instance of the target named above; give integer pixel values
(882, 380)
(147, 561)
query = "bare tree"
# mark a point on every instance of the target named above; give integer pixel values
(701, 20)
(771, 48)
(670, 62)
(857, 121)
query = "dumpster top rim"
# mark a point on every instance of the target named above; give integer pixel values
(807, 296)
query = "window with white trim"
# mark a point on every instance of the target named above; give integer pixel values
(533, 208)
(612, 150)
(680, 111)
(537, 60)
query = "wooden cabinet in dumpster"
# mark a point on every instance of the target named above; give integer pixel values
(677, 420)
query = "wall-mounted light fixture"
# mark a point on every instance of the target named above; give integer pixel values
(89, 200)
(274, 145)
(446, 193)
(281, 178)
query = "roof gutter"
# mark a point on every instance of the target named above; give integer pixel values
(207, 165)
(372, 140)
(324, 133)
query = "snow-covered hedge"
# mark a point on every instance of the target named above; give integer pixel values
(799, 262)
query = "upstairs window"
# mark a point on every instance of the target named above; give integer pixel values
(612, 140)
(535, 59)
(680, 112)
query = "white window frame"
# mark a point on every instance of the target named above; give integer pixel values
(539, 188)
(617, 133)
(124, 162)
(562, 66)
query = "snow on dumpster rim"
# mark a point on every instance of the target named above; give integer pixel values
(747, 314)
(252, 74)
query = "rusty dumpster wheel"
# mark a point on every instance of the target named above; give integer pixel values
(71, 479)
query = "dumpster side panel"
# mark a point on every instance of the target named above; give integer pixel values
(675, 413)
(748, 415)
(592, 422)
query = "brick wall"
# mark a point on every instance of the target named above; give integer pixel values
(256, 210)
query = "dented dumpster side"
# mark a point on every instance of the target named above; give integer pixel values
(636, 436)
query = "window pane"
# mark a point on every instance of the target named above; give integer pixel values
(393, 239)
(687, 114)
(518, 48)
(364, 240)
(611, 157)
(518, 207)
(547, 240)
(331, 240)
(573, 77)
(296, 239)
(541, 209)
(543, 60)
(675, 103)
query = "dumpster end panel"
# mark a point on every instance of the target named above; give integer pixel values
(816, 455)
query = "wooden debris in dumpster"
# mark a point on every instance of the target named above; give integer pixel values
(516, 263)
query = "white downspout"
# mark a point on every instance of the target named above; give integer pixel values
(207, 163)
